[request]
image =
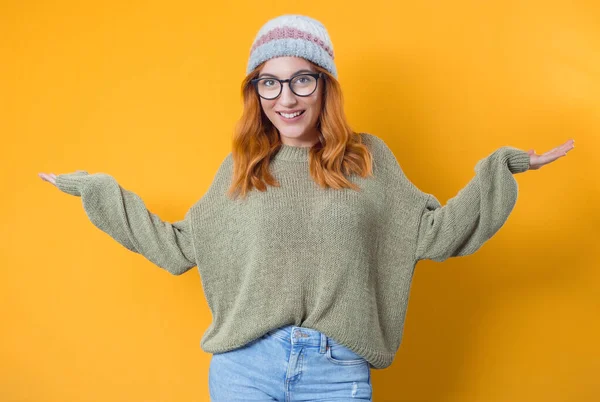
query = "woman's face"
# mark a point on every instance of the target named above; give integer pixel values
(302, 130)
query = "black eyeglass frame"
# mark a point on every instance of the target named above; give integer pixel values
(316, 76)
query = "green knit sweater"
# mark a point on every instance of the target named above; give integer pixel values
(338, 261)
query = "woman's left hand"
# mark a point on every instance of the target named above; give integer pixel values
(537, 161)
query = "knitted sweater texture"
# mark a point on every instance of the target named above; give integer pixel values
(338, 261)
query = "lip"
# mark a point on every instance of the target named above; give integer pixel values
(290, 111)
(292, 119)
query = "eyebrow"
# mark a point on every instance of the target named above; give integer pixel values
(271, 75)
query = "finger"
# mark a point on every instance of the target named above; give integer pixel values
(566, 147)
(551, 151)
(555, 151)
(570, 145)
(562, 149)
(551, 157)
(47, 178)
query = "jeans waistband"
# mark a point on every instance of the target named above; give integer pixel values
(302, 335)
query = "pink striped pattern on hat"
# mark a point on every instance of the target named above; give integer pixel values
(293, 33)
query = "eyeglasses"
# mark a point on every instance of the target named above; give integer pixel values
(301, 85)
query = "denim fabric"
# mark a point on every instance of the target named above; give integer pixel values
(288, 364)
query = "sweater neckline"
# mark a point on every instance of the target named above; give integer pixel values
(293, 153)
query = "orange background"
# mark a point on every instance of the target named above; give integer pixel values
(149, 93)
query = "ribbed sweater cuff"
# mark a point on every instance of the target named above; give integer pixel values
(518, 161)
(71, 183)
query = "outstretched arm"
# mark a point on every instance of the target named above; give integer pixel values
(476, 213)
(123, 215)
(481, 208)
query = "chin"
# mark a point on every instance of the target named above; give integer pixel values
(292, 133)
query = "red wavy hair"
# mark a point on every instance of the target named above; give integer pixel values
(339, 152)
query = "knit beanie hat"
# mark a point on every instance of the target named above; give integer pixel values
(293, 35)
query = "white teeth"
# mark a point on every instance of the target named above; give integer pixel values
(289, 116)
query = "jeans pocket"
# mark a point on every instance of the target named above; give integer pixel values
(341, 355)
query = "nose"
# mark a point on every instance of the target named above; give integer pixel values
(287, 97)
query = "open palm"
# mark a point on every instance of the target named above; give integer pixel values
(537, 161)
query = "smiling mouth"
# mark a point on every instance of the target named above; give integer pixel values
(300, 114)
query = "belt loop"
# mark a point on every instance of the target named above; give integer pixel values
(323, 347)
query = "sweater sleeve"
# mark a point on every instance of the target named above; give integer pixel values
(476, 213)
(123, 215)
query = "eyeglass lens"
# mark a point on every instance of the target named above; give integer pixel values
(301, 85)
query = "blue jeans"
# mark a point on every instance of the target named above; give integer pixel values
(290, 364)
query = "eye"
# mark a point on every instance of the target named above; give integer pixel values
(268, 82)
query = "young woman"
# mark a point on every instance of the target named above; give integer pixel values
(307, 239)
